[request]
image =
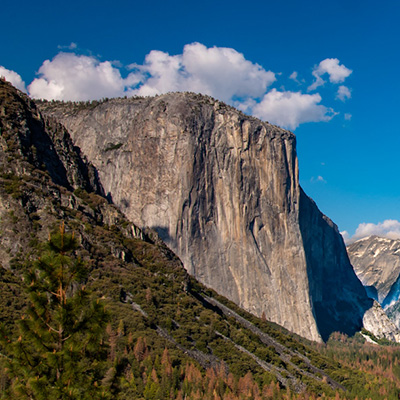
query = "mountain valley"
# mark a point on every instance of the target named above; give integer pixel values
(170, 334)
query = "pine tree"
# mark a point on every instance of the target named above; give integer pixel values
(59, 351)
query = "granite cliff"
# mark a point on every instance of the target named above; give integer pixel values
(376, 262)
(222, 191)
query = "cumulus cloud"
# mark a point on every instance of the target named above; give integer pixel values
(337, 72)
(75, 77)
(217, 71)
(343, 93)
(389, 228)
(290, 109)
(13, 78)
(221, 72)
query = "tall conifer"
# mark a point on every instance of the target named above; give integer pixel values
(59, 351)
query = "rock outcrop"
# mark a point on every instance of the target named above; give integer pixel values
(222, 191)
(42, 142)
(375, 320)
(39, 169)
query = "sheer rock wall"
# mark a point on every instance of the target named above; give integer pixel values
(222, 191)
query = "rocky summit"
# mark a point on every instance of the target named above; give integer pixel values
(222, 190)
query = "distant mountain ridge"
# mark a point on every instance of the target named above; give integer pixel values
(222, 190)
(376, 261)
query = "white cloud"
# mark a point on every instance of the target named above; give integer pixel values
(337, 73)
(347, 117)
(13, 78)
(290, 109)
(71, 46)
(217, 71)
(160, 74)
(318, 179)
(389, 228)
(73, 77)
(343, 93)
(220, 72)
(346, 237)
(245, 105)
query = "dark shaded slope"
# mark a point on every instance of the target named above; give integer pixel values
(42, 142)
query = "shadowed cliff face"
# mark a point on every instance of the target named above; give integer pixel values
(222, 190)
(338, 297)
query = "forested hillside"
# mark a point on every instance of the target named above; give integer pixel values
(162, 335)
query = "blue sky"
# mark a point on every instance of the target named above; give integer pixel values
(325, 70)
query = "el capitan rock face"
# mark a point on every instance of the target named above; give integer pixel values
(222, 190)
